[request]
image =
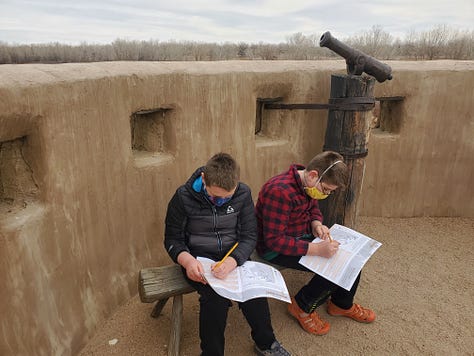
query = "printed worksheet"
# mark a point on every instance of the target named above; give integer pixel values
(355, 249)
(251, 280)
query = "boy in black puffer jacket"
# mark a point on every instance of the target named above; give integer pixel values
(206, 217)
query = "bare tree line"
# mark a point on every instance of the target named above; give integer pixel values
(441, 42)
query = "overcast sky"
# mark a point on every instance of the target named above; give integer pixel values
(251, 21)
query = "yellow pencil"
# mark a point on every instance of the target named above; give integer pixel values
(226, 255)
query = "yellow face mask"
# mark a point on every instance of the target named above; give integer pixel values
(315, 193)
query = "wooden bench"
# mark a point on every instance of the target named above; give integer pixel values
(158, 284)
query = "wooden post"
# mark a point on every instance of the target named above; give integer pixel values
(347, 132)
(176, 320)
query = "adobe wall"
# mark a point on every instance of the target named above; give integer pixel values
(84, 182)
(427, 167)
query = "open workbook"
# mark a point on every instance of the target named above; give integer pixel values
(355, 249)
(251, 280)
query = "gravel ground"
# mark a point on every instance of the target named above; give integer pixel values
(420, 283)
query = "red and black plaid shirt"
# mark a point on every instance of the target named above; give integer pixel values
(284, 214)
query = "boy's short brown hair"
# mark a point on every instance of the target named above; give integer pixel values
(222, 171)
(338, 174)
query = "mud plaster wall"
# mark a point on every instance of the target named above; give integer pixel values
(81, 211)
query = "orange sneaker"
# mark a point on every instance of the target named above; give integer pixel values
(356, 312)
(311, 323)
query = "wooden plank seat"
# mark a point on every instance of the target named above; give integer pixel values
(158, 284)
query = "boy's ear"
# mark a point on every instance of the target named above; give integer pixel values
(313, 174)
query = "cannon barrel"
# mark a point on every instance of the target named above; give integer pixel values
(357, 61)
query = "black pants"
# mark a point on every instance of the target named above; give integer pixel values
(318, 289)
(213, 320)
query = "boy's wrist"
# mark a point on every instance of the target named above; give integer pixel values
(184, 258)
(313, 249)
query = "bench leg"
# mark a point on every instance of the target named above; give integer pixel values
(176, 319)
(155, 313)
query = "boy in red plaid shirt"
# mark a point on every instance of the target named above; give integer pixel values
(288, 218)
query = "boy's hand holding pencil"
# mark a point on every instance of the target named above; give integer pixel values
(222, 268)
(320, 230)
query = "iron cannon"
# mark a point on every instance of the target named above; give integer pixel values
(357, 61)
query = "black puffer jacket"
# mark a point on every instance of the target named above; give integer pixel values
(195, 225)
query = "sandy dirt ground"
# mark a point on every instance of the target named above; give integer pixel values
(420, 283)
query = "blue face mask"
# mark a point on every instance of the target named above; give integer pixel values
(217, 201)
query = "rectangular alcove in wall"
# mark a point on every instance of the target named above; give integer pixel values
(153, 136)
(388, 115)
(18, 188)
(270, 124)
(261, 119)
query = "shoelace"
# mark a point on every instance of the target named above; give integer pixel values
(361, 313)
(276, 350)
(279, 350)
(317, 319)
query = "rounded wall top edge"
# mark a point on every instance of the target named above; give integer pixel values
(31, 74)
(27, 75)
